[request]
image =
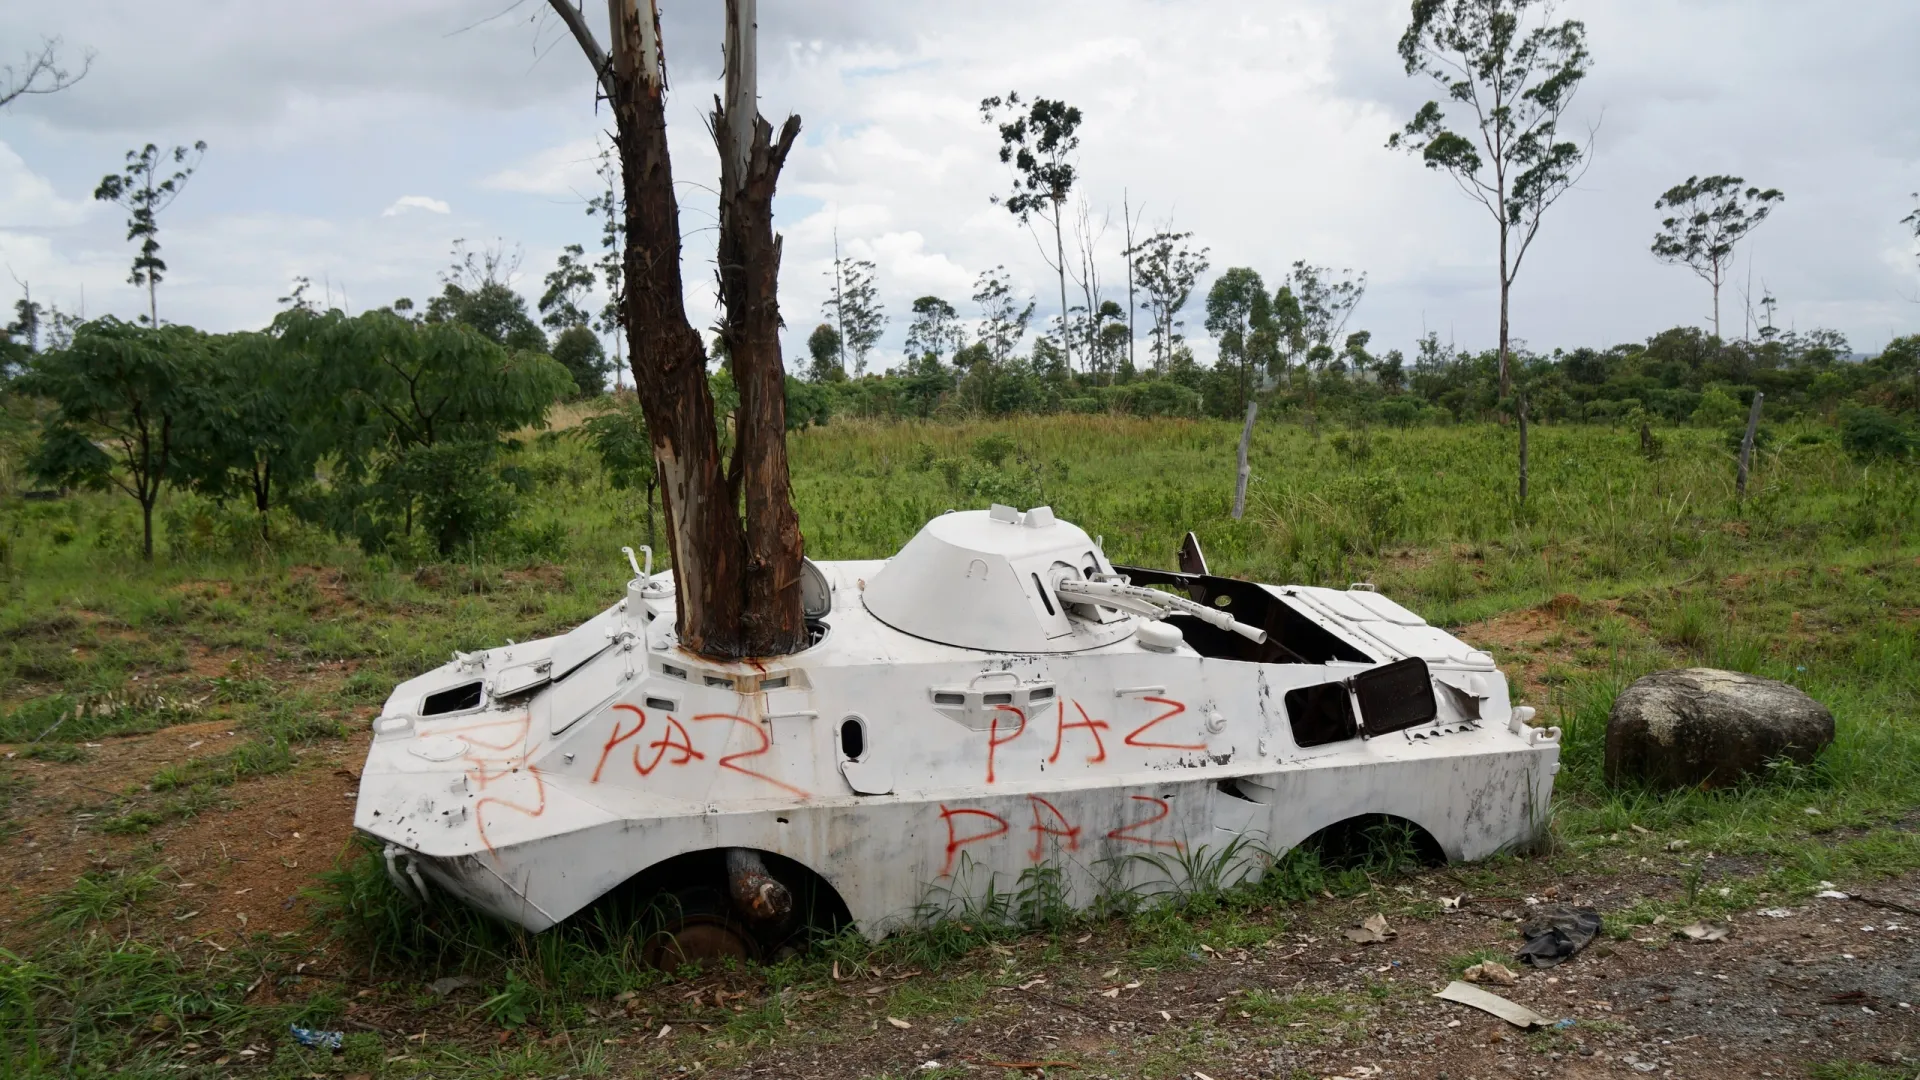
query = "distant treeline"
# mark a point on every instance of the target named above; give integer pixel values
(1680, 376)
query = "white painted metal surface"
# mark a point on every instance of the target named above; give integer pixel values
(958, 724)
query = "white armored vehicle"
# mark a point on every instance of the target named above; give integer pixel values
(996, 697)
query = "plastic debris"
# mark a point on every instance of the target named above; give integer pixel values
(1493, 1004)
(1370, 932)
(1493, 972)
(1775, 912)
(319, 1040)
(1701, 931)
(1451, 904)
(1555, 932)
(1564, 1024)
(450, 983)
(899, 1023)
(1832, 894)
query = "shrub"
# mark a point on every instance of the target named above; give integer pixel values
(1869, 433)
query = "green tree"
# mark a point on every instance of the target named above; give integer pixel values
(1167, 269)
(1708, 216)
(122, 395)
(253, 435)
(477, 291)
(142, 191)
(1003, 320)
(413, 413)
(1311, 312)
(1514, 84)
(567, 284)
(935, 330)
(1240, 317)
(610, 207)
(1039, 143)
(578, 349)
(823, 353)
(854, 308)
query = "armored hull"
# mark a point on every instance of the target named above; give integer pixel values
(995, 698)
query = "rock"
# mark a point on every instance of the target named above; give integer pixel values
(1712, 728)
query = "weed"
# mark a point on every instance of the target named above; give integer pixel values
(97, 896)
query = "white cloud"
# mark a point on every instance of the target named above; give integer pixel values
(558, 170)
(28, 200)
(1259, 127)
(416, 202)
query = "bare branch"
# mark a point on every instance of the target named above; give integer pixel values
(570, 13)
(40, 73)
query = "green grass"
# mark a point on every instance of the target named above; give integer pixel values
(1814, 580)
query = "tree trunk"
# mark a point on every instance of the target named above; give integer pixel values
(704, 536)
(749, 263)
(1060, 264)
(1715, 282)
(1126, 213)
(737, 585)
(1506, 288)
(146, 525)
(1523, 447)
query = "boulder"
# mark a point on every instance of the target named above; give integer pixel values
(1701, 726)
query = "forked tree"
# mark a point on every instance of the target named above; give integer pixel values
(737, 574)
(1708, 217)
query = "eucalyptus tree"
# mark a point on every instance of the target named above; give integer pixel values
(1003, 319)
(144, 189)
(1310, 312)
(854, 307)
(1240, 317)
(1039, 143)
(935, 331)
(1708, 216)
(123, 396)
(1509, 73)
(1912, 221)
(738, 575)
(1168, 269)
(610, 207)
(575, 345)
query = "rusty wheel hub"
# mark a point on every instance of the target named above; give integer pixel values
(702, 940)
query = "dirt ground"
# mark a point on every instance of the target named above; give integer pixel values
(234, 869)
(1808, 981)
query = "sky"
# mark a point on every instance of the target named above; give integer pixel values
(353, 142)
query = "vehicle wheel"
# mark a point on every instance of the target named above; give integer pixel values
(698, 927)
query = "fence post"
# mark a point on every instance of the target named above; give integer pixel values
(1746, 447)
(1240, 485)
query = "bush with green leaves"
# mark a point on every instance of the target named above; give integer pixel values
(1868, 434)
(413, 414)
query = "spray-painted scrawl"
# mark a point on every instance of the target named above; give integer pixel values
(995, 697)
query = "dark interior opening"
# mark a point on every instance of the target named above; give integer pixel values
(853, 738)
(1376, 842)
(1395, 696)
(452, 699)
(1320, 714)
(1292, 638)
